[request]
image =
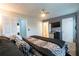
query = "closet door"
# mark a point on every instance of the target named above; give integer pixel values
(6, 30)
(68, 29)
(0, 25)
(9, 26)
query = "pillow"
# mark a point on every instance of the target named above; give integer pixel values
(19, 37)
(15, 37)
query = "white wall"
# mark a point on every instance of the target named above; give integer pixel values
(10, 25)
(34, 27)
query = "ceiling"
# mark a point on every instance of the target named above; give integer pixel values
(34, 9)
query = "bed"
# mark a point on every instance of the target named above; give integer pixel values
(32, 46)
(7, 48)
(23, 46)
(47, 46)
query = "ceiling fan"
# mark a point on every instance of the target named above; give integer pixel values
(44, 13)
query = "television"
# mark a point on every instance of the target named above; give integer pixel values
(55, 24)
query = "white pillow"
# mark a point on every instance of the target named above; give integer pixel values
(15, 37)
(19, 37)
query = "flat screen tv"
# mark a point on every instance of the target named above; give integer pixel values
(55, 24)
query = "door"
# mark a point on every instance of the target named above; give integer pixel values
(68, 29)
(69, 33)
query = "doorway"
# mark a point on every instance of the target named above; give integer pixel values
(22, 27)
(45, 32)
(69, 33)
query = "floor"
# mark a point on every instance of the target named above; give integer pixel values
(72, 49)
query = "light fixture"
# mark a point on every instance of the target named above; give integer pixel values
(18, 28)
(44, 13)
